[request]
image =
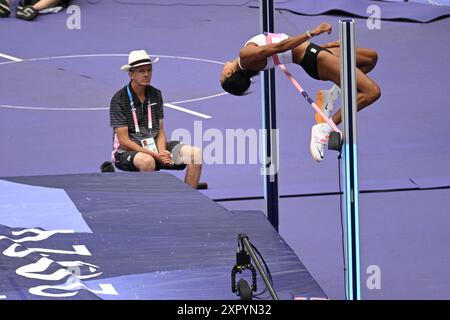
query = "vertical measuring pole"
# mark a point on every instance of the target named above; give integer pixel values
(350, 161)
(269, 124)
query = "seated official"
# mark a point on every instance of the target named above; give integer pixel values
(139, 139)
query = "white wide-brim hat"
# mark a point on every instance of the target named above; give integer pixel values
(137, 58)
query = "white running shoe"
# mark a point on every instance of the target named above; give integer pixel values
(325, 100)
(320, 134)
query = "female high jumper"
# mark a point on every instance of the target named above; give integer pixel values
(319, 62)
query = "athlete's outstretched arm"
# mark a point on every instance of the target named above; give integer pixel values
(254, 54)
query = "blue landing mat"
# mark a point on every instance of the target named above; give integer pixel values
(130, 236)
(416, 12)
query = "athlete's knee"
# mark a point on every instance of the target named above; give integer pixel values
(375, 93)
(373, 58)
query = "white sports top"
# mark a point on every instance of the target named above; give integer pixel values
(262, 40)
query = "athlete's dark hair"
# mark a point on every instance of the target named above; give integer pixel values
(238, 82)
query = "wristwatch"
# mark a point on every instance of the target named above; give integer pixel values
(308, 33)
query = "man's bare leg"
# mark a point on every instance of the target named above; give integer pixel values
(192, 156)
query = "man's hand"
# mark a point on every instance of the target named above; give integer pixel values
(322, 28)
(165, 158)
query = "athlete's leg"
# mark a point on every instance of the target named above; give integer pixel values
(366, 59)
(329, 70)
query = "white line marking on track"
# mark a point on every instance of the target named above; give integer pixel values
(202, 98)
(51, 109)
(198, 114)
(169, 105)
(10, 57)
(105, 55)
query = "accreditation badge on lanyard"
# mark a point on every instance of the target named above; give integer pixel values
(133, 112)
(148, 143)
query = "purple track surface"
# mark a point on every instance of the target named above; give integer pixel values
(402, 138)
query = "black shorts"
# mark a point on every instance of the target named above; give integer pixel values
(309, 62)
(124, 160)
(64, 3)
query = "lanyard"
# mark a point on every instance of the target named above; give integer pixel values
(133, 111)
(269, 37)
